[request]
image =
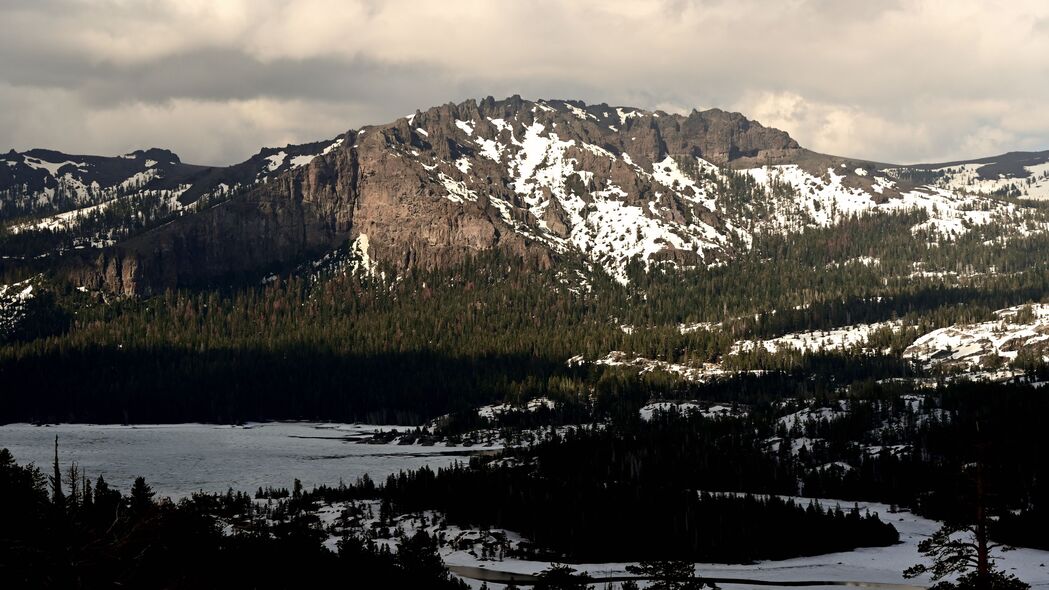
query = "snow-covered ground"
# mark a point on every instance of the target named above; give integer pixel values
(364, 518)
(618, 358)
(982, 351)
(966, 177)
(493, 411)
(13, 300)
(819, 340)
(881, 565)
(803, 417)
(821, 201)
(649, 411)
(837, 339)
(180, 459)
(971, 347)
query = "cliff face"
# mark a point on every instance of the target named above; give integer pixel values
(537, 180)
(273, 225)
(367, 187)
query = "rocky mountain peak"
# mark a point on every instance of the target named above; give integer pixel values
(543, 181)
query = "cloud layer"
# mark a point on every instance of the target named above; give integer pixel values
(897, 81)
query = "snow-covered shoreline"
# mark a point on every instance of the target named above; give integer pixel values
(879, 565)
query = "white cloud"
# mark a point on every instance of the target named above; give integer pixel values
(899, 81)
(199, 131)
(835, 129)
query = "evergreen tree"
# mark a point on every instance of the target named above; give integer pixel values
(964, 549)
(141, 501)
(562, 577)
(668, 575)
(58, 499)
(419, 553)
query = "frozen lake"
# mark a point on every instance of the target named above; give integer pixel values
(180, 459)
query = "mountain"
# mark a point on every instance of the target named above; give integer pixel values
(592, 188)
(502, 251)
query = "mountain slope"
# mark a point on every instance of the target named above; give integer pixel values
(549, 182)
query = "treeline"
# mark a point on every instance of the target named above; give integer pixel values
(866, 269)
(71, 534)
(588, 519)
(118, 385)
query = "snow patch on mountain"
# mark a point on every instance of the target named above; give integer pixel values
(615, 233)
(466, 126)
(360, 248)
(535, 150)
(625, 114)
(580, 113)
(51, 167)
(967, 178)
(276, 160)
(670, 175)
(299, 161)
(458, 192)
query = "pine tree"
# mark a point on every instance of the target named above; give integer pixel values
(58, 499)
(965, 549)
(88, 499)
(73, 478)
(141, 497)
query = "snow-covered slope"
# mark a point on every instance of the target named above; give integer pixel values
(14, 299)
(987, 345)
(1016, 174)
(44, 182)
(99, 201)
(580, 182)
(996, 350)
(821, 201)
(616, 358)
(845, 337)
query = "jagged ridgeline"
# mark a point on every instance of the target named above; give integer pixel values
(465, 253)
(544, 181)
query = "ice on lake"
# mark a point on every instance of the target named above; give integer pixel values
(180, 459)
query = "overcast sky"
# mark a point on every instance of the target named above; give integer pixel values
(897, 80)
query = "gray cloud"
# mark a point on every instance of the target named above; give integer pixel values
(901, 80)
